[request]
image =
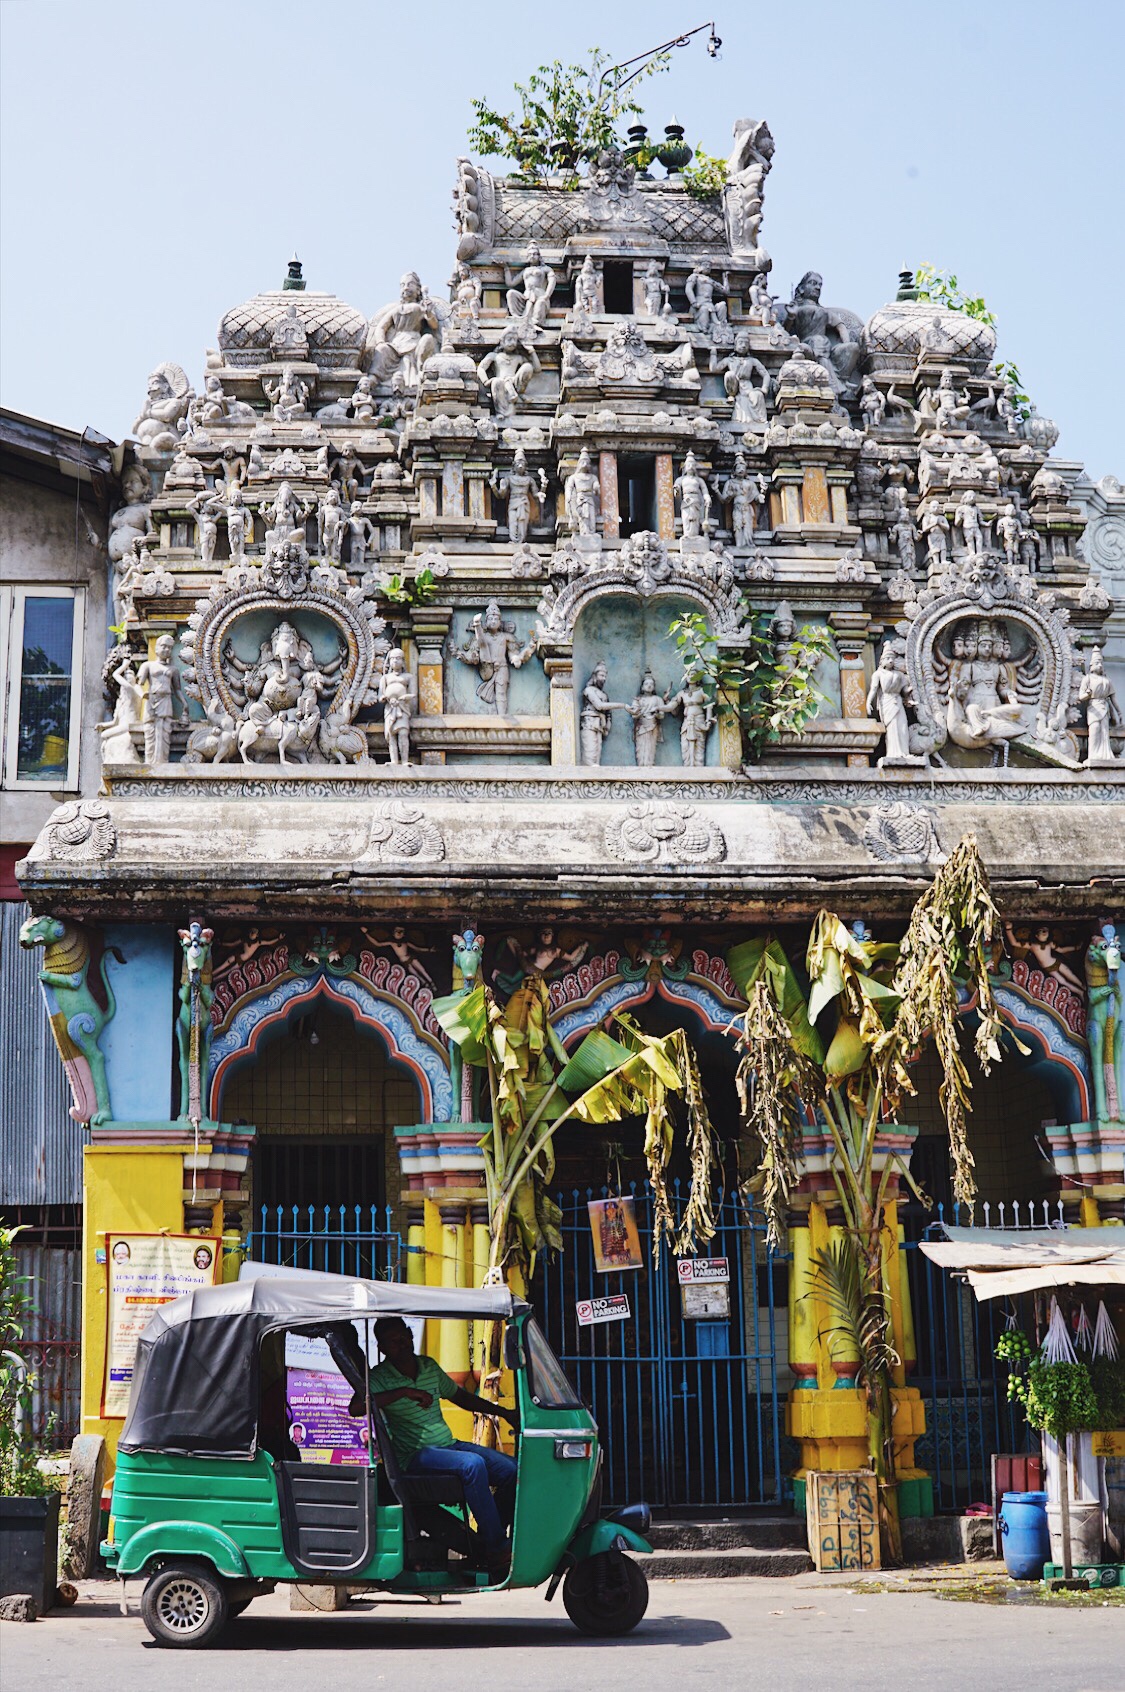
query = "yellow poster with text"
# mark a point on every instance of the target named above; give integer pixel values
(146, 1271)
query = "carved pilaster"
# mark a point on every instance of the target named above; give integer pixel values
(430, 629)
(665, 499)
(611, 515)
(560, 671)
(850, 631)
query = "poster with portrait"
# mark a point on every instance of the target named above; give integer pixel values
(145, 1271)
(617, 1243)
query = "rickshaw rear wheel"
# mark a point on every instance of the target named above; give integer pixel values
(606, 1594)
(184, 1605)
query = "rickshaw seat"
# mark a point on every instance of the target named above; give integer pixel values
(427, 1523)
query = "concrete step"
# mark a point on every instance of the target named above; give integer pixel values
(724, 1565)
(760, 1533)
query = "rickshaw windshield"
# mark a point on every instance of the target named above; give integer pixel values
(546, 1375)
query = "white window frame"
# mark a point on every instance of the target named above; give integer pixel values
(13, 601)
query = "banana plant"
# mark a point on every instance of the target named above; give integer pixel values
(840, 1054)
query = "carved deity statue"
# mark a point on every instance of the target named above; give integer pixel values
(967, 523)
(830, 334)
(740, 370)
(1105, 1024)
(240, 523)
(519, 488)
(285, 517)
(872, 403)
(582, 496)
(648, 711)
(761, 301)
(698, 717)
(530, 301)
(1008, 532)
(465, 295)
(206, 508)
(695, 499)
(116, 735)
(886, 699)
(399, 692)
(361, 533)
(494, 651)
(161, 681)
(904, 533)
(507, 370)
(742, 492)
(330, 519)
(288, 395)
(166, 404)
(935, 528)
(587, 289)
(595, 720)
(708, 308)
(404, 335)
(654, 290)
(1099, 696)
(983, 706)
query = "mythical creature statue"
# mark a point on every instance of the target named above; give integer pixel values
(193, 1020)
(76, 1018)
(468, 950)
(1105, 1026)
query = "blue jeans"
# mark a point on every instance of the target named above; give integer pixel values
(479, 1469)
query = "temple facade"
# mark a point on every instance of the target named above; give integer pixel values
(433, 635)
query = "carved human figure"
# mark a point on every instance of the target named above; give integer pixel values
(739, 373)
(217, 740)
(330, 520)
(530, 301)
(206, 508)
(404, 335)
(886, 699)
(743, 492)
(1105, 1024)
(285, 517)
(698, 716)
(582, 496)
(166, 404)
(160, 679)
(1099, 696)
(872, 403)
(361, 532)
(465, 295)
(761, 301)
(935, 529)
(399, 693)
(942, 408)
(519, 488)
(595, 720)
(984, 707)
(831, 335)
(494, 651)
(708, 310)
(648, 711)
(904, 533)
(1008, 531)
(240, 524)
(587, 289)
(288, 395)
(695, 499)
(301, 724)
(507, 370)
(967, 522)
(116, 735)
(654, 290)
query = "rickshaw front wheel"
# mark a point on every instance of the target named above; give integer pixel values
(606, 1594)
(184, 1605)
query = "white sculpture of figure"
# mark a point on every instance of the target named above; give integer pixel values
(886, 699)
(587, 289)
(494, 651)
(529, 303)
(285, 518)
(404, 335)
(255, 467)
(288, 395)
(648, 711)
(983, 707)
(740, 370)
(301, 725)
(935, 528)
(161, 681)
(582, 496)
(240, 524)
(519, 488)
(507, 372)
(943, 408)
(1099, 696)
(904, 533)
(1006, 410)
(1029, 547)
(872, 403)
(216, 742)
(966, 520)
(695, 499)
(116, 734)
(698, 718)
(205, 508)
(399, 693)
(347, 471)
(330, 526)
(654, 290)
(595, 720)
(134, 518)
(465, 296)
(166, 404)
(761, 301)
(708, 314)
(361, 532)
(1008, 531)
(127, 580)
(742, 492)
(363, 400)
(217, 406)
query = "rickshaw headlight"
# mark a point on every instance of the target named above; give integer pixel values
(573, 1448)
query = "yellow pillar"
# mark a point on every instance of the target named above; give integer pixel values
(1090, 1216)
(416, 1254)
(125, 1190)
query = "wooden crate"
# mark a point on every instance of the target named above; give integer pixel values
(843, 1519)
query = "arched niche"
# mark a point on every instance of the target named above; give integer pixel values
(631, 635)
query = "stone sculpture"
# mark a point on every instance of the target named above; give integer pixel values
(361, 533)
(695, 499)
(697, 717)
(530, 301)
(193, 1020)
(465, 295)
(399, 694)
(116, 735)
(1008, 532)
(1098, 694)
(935, 528)
(742, 492)
(739, 372)
(288, 395)
(761, 302)
(587, 289)
(132, 520)
(77, 1019)
(240, 524)
(595, 721)
(886, 699)
(161, 680)
(582, 496)
(206, 508)
(648, 711)
(166, 404)
(215, 742)
(872, 403)
(708, 309)
(747, 168)
(967, 523)
(831, 335)
(519, 488)
(403, 336)
(494, 651)
(330, 520)
(654, 290)
(1105, 1024)
(507, 370)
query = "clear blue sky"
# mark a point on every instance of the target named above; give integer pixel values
(160, 161)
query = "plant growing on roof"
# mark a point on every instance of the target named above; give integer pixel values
(943, 288)
(882, 1003)
(770, 684)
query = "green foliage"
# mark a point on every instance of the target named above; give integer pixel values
(943, 288)
(407, 590)
(563, 119)
(1063, 1398)
(705, 176)
(19, 1475)
(861, 1314)
(773, 691)
(1009, 373)
(1107, 1376)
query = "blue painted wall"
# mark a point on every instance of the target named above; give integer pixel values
(138, 1042)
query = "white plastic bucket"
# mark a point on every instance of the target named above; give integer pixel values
(1085, 1533)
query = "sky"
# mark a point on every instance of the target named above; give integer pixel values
(160, 161)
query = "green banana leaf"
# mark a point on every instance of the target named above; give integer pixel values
(597, 1056)
(751, 960)
(464, 1017)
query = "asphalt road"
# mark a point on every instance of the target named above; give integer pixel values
(780, 1635)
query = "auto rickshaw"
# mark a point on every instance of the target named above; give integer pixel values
(212, 1503)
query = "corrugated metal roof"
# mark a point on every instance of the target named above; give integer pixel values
(40, 1147)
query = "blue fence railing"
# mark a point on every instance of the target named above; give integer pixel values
(345, 1239)
(687, 1408)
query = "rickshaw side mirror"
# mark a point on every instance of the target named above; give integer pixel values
(513, 1351)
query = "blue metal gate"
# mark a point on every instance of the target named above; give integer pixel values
(687, 1409)
(342, 1239)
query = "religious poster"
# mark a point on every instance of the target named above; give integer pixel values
(617, 1244)
(317, 1396)
(144, 1272)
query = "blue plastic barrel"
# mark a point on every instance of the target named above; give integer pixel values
(1024, 1535)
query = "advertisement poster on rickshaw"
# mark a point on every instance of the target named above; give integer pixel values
(318, 1396)
(617, 1241)
(144, 1272)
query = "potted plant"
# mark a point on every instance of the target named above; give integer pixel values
(29, 1499)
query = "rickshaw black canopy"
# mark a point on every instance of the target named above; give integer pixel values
(195, 1377)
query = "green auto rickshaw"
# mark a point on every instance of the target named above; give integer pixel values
(212, 1502)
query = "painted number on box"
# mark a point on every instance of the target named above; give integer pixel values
(702, 1269)
(613, 1308)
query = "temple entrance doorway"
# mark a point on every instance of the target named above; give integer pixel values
(325, 1098)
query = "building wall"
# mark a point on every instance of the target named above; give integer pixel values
(40, 1147)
